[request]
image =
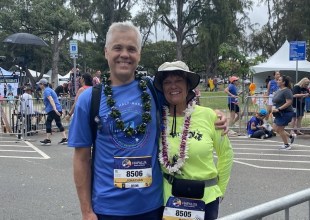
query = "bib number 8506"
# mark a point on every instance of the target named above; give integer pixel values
(134, 173)
(183, 213)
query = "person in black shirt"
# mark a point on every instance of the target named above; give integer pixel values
(62, 90)
(300, 92)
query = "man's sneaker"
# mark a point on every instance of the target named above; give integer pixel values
(63, 141)
(292, 138)
(46, 142)
(285, 147)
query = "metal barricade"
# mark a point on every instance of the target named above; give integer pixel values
(26, 119)
(269, 208)
(248, 108)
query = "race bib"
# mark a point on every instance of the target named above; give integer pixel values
(184, 209)
(132, 172)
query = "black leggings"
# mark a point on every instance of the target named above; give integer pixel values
(50, 117)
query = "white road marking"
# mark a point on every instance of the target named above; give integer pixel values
(271, 168)
(45, 156)
(26, 144)
(262, 146)
(278, 155)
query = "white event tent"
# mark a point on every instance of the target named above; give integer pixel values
(280, 61)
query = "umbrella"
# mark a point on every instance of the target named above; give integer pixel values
(25, 38)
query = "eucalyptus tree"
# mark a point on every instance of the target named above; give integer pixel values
(181, 17)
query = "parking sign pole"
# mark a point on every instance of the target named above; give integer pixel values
(74, 55)
(74, 68)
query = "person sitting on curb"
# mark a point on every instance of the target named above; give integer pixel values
(255, 127)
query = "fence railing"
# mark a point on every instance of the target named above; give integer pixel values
(274, 206)
(20, 118)
(248, 107)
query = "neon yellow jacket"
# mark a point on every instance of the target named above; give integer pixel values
(204, 139)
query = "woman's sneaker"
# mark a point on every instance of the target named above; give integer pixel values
(46, 142)
(63, 141)
(285, 147)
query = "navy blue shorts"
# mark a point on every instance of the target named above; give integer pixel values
(233, 107)
(284, 118)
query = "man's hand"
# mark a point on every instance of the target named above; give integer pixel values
(67, 117)
(221, 123)
(89, 216)
(57, 112)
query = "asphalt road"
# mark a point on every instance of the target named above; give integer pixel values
(36, 181)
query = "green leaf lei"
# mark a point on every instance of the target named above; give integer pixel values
(116, 114)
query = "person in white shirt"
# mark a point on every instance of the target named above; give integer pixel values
(26, 107)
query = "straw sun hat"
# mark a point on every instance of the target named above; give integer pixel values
(192, 78)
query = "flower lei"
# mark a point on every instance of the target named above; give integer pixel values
(116, 114)
(174, 164)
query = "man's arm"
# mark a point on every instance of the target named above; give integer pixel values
(50, 99)
(268, 89)
(82, 179)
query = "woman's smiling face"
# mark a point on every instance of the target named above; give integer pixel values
(175, 89)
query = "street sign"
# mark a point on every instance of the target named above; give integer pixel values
(73, 56)
(297, 50)
(73, 47)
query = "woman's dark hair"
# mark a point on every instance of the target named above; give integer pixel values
(287, 81)
(88, 79)
(175, 73)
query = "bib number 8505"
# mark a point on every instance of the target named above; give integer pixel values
(134, 173)
(183, 213)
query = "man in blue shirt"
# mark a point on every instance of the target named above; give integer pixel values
(53, 110)
(127, 181)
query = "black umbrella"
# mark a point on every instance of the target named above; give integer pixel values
(25, 38)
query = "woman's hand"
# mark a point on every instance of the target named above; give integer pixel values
(221, 123)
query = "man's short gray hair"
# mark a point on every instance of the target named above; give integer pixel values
(123, 26)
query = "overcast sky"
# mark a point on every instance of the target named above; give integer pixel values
(257, 15)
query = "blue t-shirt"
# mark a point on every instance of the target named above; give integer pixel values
(256, 121)
(48, 107)
(233, 90)
(273, 86)
(111, 144)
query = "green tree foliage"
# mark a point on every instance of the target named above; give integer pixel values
(51, 19)
(287, 20)
(219, 24)
(154, 54)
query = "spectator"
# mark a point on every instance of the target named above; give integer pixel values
(26, 108)
(215, 83)
(271, 89)
(96, 79)
(300, 92)
(53, 110)
(86, 82)
(62, 90)
(211, 85)
(267, 80)
(255, 127)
